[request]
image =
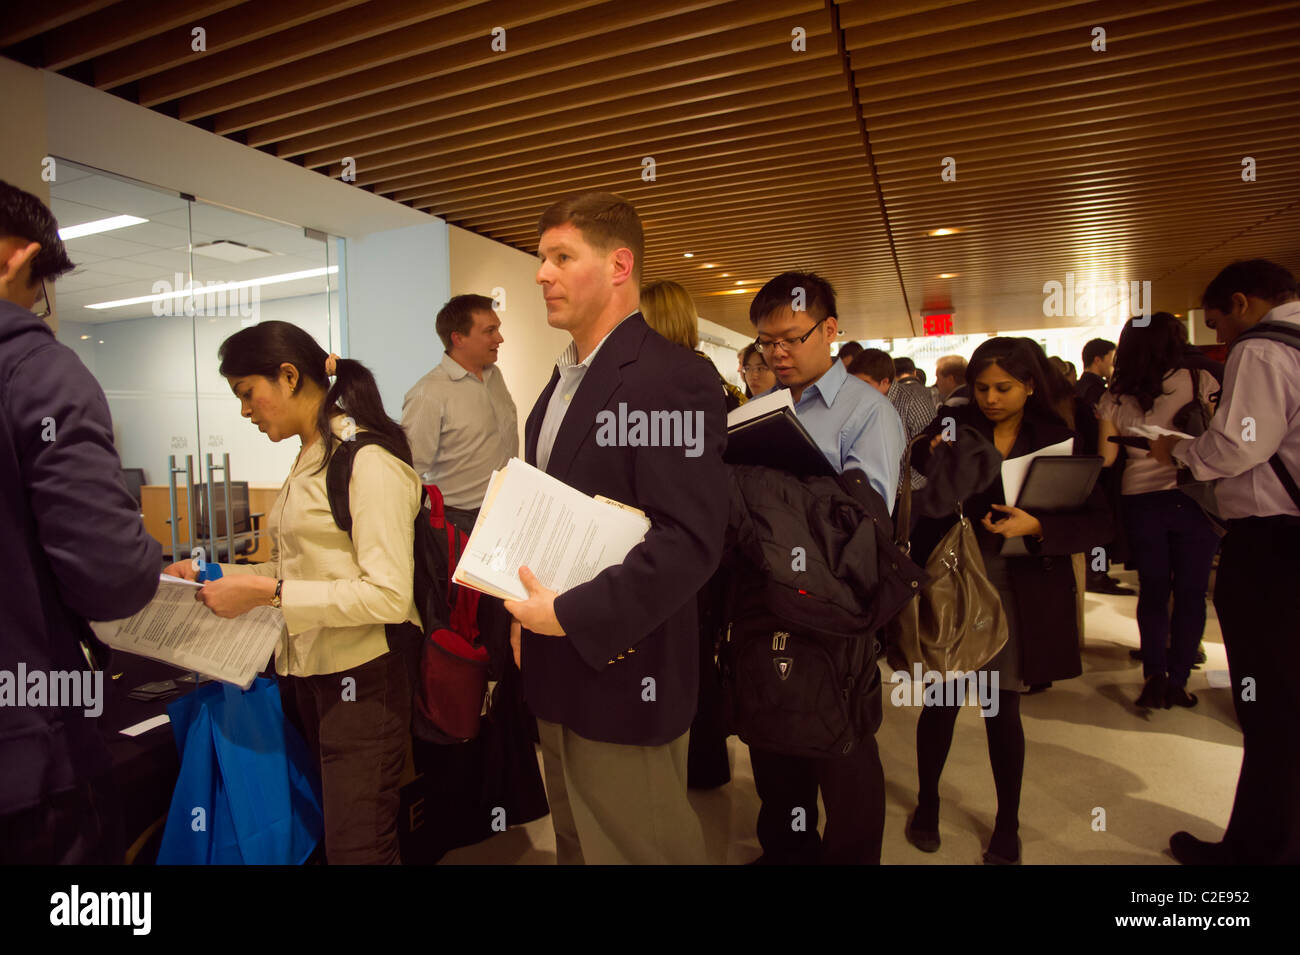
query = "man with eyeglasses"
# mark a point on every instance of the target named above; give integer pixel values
(856, 427)
(73, 548)
(853, 424)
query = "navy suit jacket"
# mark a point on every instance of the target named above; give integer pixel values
(643, 609)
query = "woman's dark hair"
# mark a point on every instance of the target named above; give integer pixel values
(1145, 355)
(262, 348)
(1024, 360)
(750, 351)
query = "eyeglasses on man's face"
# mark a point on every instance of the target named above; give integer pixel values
(41, 307)
(786, 344)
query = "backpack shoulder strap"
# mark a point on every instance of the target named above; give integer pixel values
(1287, 335)
(1272, 331)
(338, 477)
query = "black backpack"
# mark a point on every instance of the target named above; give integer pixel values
(799, 672)
(450, 663)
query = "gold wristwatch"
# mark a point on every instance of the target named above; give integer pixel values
(275, 600)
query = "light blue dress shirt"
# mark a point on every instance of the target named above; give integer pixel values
(855, 426)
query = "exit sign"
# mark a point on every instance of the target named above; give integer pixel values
(938, 324)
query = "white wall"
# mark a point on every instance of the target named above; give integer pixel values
(527, 358)
(23, 133)
(394, 283)
(95, 128)
(398, 268)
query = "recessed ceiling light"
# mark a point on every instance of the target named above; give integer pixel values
(740, 281)
(688, 255)
(708, 265)
(99, 225)
(101, 341)
(943, 232)
(85, 338)
(726, 275)
(948, 275)
(228, 250)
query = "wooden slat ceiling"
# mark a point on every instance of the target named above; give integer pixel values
(1115, 165)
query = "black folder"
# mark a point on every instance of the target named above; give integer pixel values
(1059, 482)
(777, 440)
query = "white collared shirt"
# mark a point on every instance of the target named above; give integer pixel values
(571, 372)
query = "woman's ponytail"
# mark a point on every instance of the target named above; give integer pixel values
(355, 394)
(262, 348)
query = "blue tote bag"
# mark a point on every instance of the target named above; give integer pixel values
(247, 793)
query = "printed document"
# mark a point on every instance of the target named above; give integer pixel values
(530, 519)
(177, 629)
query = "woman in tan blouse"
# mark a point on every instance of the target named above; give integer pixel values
(345, 659)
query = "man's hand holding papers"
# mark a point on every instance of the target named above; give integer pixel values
(537, 613)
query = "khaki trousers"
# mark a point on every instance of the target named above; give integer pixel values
(613, 804)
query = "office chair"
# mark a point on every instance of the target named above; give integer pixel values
(245, 527)
(134, 479)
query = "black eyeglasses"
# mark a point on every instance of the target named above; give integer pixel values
(41, 307)
(786, 344)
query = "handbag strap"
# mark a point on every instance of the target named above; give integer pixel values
(903, 526)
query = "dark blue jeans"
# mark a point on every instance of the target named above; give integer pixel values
(1172, 545)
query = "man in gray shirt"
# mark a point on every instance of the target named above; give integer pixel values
(459, 418)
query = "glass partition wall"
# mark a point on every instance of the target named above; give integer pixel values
(161, 280)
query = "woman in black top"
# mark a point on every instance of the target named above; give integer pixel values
(1020, 404)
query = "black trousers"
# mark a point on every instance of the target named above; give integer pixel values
(1257, 597)
(360, 744)
(853, 789)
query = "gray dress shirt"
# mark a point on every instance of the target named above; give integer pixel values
(461, 429)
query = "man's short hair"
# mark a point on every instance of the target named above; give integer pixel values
(458, 316)
(23, 216)
(1094, 349)
(904, 366)
(606, 221)
(951, 366)
(1254, 278)
(920, 375)
(874, 363)
(849, 350)
(781, 292)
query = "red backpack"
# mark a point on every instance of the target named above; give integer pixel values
(453, 670)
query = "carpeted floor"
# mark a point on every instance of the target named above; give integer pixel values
(1104, 784)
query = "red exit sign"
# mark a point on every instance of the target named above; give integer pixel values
(940, 324)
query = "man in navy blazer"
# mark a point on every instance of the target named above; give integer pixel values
(611, 667)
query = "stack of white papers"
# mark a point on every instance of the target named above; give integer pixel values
(177, 629)
(757, 407)
(1015, 470)
(530, 519)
